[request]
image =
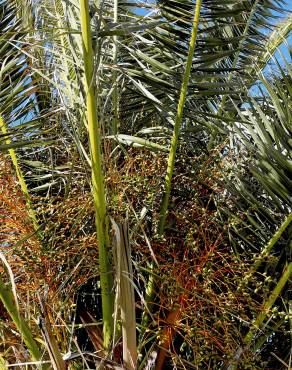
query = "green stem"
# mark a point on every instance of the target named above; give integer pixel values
(178, 121)
(269, 303)
(19, 175)
(272, 329)
(115, 75)
(6, 296)
(149, 297)
(290, 318)
(106, 281)
(262, 316)
(268, 248)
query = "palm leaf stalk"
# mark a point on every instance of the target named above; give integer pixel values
(268, 248)
(273, 328)
(276, 38)
(69, 52)
(290, 317)
(20, 176)
(98, 187)
(3, 363)
(263, 314)
(171, 159)
(178, 121)
(115, 75)
(6, 296)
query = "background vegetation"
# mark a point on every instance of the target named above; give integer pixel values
(145, 203)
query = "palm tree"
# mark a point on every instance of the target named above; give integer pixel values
(94, 88)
